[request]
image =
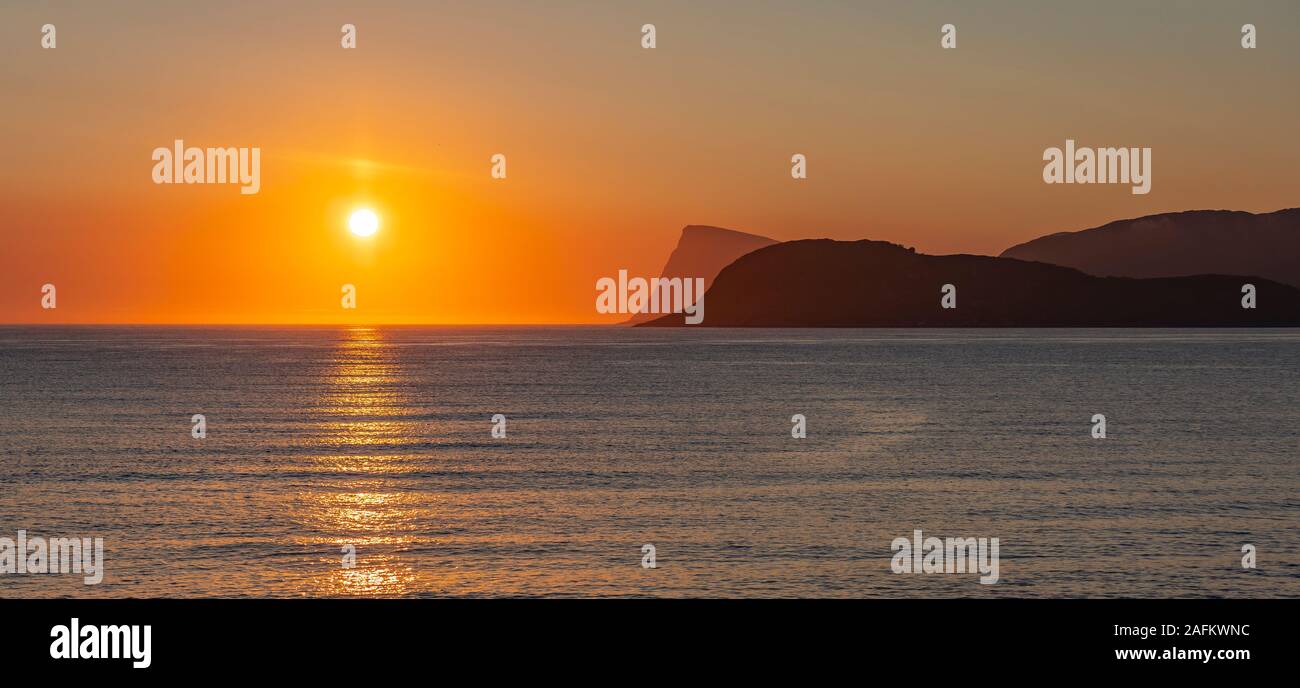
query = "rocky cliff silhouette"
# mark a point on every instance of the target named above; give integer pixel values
(703, 251)
(825, 283)
(1196, 242)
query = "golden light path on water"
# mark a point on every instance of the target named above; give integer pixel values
(394, 477)
(359, 409)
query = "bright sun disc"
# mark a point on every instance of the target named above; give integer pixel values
(363, 223)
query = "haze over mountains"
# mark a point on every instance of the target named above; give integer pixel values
(1196, 242)
(703, 251)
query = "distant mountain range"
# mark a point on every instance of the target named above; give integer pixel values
(825, 283)
(1172, 269)
(703, 251)
(1196, 242)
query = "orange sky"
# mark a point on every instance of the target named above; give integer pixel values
(611, 149)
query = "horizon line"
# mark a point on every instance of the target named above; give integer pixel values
(295, 324)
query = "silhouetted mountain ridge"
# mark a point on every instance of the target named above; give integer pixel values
(1194, 242)
(827, 283)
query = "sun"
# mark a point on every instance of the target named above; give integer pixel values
(363, 222)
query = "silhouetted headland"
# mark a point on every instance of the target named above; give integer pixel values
(826, 283)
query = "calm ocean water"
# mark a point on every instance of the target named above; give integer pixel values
(379, 438)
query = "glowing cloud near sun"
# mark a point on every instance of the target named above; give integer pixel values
(363, 223)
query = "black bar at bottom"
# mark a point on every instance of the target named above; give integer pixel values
(653, 639)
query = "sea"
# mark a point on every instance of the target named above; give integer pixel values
(635, 462)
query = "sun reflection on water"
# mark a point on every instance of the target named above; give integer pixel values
(361, 413)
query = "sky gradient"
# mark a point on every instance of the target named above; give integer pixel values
(611, 148)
